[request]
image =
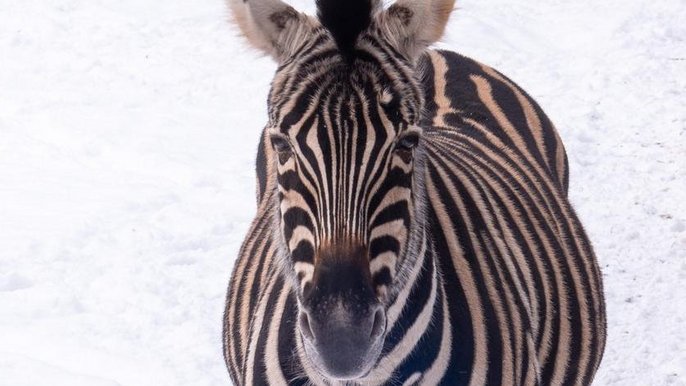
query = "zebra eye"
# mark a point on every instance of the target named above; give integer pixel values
(408, 141)
(281, 146)
(280, 143)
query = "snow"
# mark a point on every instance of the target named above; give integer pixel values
(128, 132)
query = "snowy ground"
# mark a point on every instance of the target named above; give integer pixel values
(127, 138)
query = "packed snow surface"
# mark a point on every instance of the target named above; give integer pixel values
(128, 132)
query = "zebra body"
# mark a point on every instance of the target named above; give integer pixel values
(490, 281)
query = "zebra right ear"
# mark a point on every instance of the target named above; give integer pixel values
(272, 26)
(412, 25)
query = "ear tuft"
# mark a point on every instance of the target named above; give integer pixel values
(345, 19)
(403, 14)
(280, 19)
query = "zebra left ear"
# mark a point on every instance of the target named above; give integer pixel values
(411, 25)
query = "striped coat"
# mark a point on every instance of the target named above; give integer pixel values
(505, 289)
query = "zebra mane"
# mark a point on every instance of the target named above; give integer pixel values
(345, 19)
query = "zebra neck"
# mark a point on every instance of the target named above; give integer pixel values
(419, 338)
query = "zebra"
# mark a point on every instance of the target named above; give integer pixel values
(412, 223)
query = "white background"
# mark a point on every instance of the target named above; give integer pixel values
(128, 131)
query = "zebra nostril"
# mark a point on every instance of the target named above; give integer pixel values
(379, 324)
(305, 327)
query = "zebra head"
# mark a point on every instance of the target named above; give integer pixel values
(344, 109)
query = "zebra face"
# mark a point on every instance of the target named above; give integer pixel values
(345, 147)
(343, 114)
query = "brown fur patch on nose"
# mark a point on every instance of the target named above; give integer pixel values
(342, 269)
(343, 252)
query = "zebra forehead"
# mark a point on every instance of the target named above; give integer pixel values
(329, 108)
(320, 75)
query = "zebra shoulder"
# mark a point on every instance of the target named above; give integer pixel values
(462, 92)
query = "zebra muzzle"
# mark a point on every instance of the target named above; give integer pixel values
(341, 320)
(343, 346)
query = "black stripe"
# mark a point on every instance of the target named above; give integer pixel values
(462, 355)
(419, 297)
